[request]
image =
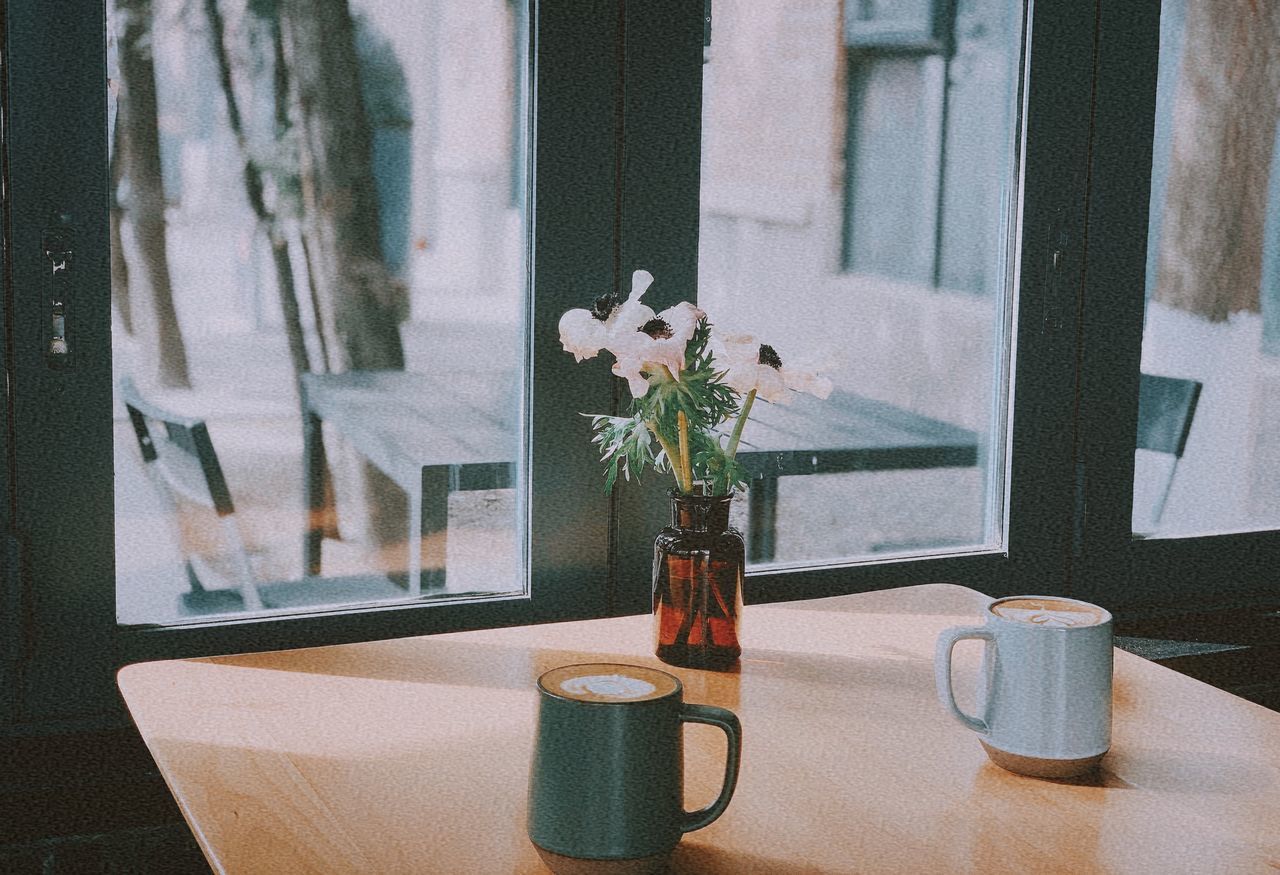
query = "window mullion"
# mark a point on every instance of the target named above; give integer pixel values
(1050, 263)
(662, 104)
(1114, 297)
(61, 440)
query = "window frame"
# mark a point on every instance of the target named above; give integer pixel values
(70, 645)
(1055, 110)
(1110, 566)
(640, 86)
(1047, 238)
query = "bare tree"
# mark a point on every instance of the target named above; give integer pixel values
(364, 303)
(1225, 114)
(145, 202)
(359, 304)
(255, 187)
(119, 266)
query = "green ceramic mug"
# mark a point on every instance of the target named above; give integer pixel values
(607, 782)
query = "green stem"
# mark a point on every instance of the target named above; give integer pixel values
(677, 467)
(685, 463)
(737, 426)
(686, 625)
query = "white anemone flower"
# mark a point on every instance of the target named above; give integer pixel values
(753, 366)
(609, 324)
(659, 342)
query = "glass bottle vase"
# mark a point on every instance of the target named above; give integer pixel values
(698, 564)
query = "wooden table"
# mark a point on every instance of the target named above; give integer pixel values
(434, 436)
(412, 756)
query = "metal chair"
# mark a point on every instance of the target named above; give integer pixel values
(179, 456)
(1166, 407)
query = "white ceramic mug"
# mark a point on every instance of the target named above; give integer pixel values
(1045, 694)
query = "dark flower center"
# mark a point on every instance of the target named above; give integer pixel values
(769, 357)
(657, 328)
(603, 306)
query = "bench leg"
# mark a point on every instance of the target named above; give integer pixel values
(762, 515)
(314, 485)
(429, 517)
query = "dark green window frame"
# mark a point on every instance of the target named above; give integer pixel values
(615, 146)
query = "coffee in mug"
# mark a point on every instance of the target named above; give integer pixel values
(1046, 684)
(606, 790)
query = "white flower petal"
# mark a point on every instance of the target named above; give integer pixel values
(582, 334)
(629, 368)
(807, 381)
(629, 345)
(739, 355)
(742, 378)
(735, 351)
(770, 385)
(625, 321)
(640, 282)
(683, 319)
(665, 352)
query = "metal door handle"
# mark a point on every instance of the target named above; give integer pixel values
(58, 244)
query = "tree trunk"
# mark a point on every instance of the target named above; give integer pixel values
(360, 305)
(364, 302)
(268, 222)
(119, 266)
(140, 158)
(1225, 113)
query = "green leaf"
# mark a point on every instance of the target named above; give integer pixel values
(624, 444)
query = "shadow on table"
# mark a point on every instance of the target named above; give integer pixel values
(695, 859)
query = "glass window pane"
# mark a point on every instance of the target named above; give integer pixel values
(862, 231)
(318, 303)
(892, 155)
(1212, 322)
(888, 22)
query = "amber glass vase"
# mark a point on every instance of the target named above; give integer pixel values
(698, 562)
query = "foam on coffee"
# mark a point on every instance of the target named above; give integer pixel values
(608, 682)
(1051, 613)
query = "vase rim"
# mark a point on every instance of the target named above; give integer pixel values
(677, 495)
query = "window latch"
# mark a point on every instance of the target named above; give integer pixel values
(58, 245)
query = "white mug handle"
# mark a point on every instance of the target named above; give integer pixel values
(942, 672)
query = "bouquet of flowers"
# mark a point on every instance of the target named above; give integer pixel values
(687, 384)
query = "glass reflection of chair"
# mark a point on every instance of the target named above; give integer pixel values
(179, 457)
(1166, 406)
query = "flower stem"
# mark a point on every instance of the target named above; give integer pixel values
(685, 463)
(737, 426)
(677, 465)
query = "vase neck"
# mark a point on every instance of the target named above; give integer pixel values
(700, 513)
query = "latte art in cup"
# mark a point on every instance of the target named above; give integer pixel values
(613, 686)
(608, 682)
(1048, 612)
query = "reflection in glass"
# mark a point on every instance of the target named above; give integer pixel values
(317, 226)
(857, 182)
(1213, 270)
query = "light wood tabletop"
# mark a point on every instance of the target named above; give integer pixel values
(412, 756)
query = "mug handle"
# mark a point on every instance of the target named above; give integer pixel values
(728, 721)
(942, 672)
